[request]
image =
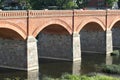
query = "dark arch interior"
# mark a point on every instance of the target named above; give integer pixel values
(54, 41)
(92, 38)
(92, 27)
(9, 34)
(55, 29)
(116, 35)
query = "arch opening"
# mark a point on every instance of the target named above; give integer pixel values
(55, 29)
(92, 38)
(54, 42)
(116, 35)
(10, 34)
(12, 49)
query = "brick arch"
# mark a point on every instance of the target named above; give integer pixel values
(50, 22)
(89, 20)
(114, 22)
(14, 27)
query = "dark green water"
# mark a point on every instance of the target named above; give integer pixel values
(53, 68)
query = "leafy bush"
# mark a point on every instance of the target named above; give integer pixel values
(84, 77)
(113, 69)
(70, 77)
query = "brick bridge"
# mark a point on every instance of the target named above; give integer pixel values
(55, 34)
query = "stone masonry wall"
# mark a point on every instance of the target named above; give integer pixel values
(92, 41)
(13, 54)
(55, 46)
(116, 37)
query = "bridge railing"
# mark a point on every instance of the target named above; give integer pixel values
(56, 13)
(53, 13)
(13, 14)
(50, 13)
(89, 12)
(113, 12)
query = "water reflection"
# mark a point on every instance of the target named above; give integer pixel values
(54, 68)
(12, 75)
(109, 60)
(76, 67)
(33, 75)
(91, 61)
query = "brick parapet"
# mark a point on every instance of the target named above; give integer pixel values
(113, 12)
(50, 13)
(89, 12)
(13, 14)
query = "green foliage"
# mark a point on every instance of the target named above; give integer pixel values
(80, 3)
(110, 2)
(70, 5)
(1, 3)
(113, 69)
(46, 4)
(27, 3)
(60, 3)
(57, 4)
(76, 77)
(48, 78)
(69, 77)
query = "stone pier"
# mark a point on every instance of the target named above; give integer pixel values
(33, 75)
(109, 60)
(76, 67)
(32, 54)
(76, 47)
(109, 44)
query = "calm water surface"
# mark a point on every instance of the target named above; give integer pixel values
(53, 68)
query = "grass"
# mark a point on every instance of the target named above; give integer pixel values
(84, 77)
(113, 69)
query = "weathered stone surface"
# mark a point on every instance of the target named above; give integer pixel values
(109, 60)
(33, 75)
(76, 47)
(55, 46)
(32, 54)
(76, 67)
(109, 44)
(13, 54)
(116, 37)
(93, 41)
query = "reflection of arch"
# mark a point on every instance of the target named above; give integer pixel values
(114, 22)
(55, 21)
(14, 27)
(88, 20)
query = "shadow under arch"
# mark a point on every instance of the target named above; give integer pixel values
(13, 28)
(55, 42)
(116, 34)
(10, 34)
(88, 20)
(92, 37)
(51, 22)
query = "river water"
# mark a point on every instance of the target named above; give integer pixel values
(55, 68)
